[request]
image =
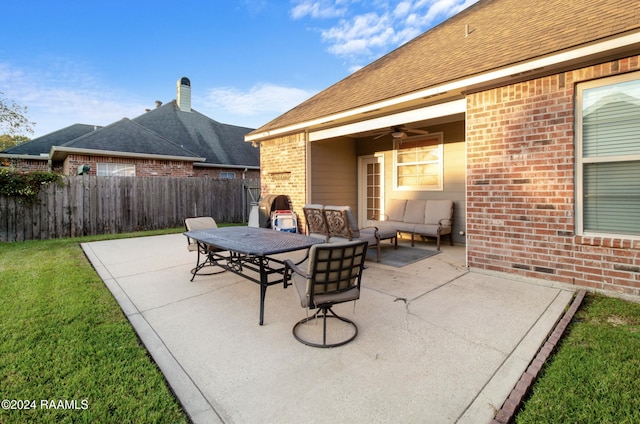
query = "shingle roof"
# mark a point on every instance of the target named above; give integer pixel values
(130, 137)
(42, 145)
(162, 131)
(500, 33)
(218, 143)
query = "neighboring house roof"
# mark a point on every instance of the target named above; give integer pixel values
(489, 35)
(42, 145)
(220, 144)
(122, 138)
(165, 131)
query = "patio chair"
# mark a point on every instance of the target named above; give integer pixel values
(332, 275)
(202, 223)
(316, 224)
(342, 226)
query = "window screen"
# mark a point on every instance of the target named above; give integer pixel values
(608, 156)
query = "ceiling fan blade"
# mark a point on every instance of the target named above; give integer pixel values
(416, 131)
(381, 135)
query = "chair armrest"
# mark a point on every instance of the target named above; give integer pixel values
(290, 266)
(375, 232)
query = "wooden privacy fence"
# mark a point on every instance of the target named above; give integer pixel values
(88, 205)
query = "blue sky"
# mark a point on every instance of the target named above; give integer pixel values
(98, 61)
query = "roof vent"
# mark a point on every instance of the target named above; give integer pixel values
(184, 94)
(468, 30)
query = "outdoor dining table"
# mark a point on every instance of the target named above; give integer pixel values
(251, 249)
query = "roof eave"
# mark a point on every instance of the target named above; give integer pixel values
(224, 165)
(59, 153)
(628, 42)
(23, 156)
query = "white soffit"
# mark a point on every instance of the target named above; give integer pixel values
(422, 114)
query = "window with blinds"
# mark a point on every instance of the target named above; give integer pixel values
(608, 156)
(115, 170)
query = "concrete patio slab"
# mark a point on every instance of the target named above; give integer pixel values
(436, 343)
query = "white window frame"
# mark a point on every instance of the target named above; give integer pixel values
(436, 140)
(580, 161)
(114, 169)
(227, 175)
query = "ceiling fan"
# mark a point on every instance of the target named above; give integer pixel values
(400, 132)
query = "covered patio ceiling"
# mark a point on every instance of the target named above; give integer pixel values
(373, 126)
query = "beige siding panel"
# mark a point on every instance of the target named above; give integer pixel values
(334, 173)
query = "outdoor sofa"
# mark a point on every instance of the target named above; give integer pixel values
(427, 218)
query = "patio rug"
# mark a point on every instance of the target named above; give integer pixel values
(403, 255)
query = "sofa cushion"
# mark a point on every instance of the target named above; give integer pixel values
(438, 212)
(405, 227)
(395, 209)
(414, 211)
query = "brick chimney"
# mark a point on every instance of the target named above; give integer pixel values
(184, 94)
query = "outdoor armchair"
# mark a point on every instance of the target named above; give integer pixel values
(331, 276)
(316, 224)
(343, 226)
(202, 223)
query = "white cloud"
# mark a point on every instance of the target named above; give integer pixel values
(57, 98)
(60, 97)
(402, 9)
(368, 30)
(360, 35)
(317, 9)
(253, 107)
(445, 8)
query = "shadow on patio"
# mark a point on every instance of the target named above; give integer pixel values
(436, 343)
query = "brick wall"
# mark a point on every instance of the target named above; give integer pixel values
(144, 167)
(23, 165)
(520, 187)
(215, 172)
(283, 170)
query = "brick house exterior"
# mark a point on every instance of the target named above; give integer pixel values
(171, 140)
(520, 186)
(505, 104)
(144, 167)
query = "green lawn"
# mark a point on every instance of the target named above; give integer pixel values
(64, 338)
(594, 377)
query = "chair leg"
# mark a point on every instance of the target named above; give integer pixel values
(324, 313)
(208, 261)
